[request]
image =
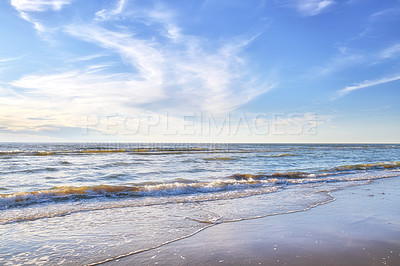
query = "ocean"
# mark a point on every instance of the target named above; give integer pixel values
(89, 203)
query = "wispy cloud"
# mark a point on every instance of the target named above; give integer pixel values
(184, 72)
(307, 7)
(165, 18)
(366, 84)
(37, 6)
(385, 14)
(25, 7)
(344, 58)
(106, 14)
(3, 60)
(37, 25)
(390, 52)
(313, 7)
(165, 71)
(87, 57)
(79, 93)
(90, 87)
(376, 109)
(378, 21)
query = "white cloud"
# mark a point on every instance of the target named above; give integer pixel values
(106, 14)
(87, 57)
(39, 5)
(3, 60)
(390, 52)
(340, 62)
(313, 7)
(25, 7)
(166, 71)
(64, 99)
(166, 19)
(366, 84)
(138, 53)
(344, 58)
(89, 87)
(385, 14)
(378, 21)
(38, 25)
(190, 79)
(184, 73)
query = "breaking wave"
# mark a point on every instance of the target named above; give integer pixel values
(235, 182)
(163, 189)
(367, 166)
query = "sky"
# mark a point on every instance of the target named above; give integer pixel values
(265, 71)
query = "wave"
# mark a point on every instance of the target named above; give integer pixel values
(33, 170)
(179, 192)
(219, 159)
(328, 172)
(285, 175)
(142, 151)
(43, 153)
(103, 151)
(61, 201)
(35, 212)
(278, 155)
(183, 186)
(367, 166)
(161, 189)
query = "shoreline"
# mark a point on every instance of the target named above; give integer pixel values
(361, 227)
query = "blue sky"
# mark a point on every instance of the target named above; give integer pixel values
(200, 71)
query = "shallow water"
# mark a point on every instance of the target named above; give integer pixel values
(85, 203)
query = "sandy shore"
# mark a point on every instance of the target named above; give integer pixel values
(361, 227)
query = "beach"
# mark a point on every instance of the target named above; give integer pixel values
(199, 204)
(151, 132)
(361, 227)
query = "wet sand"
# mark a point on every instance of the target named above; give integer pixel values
(361, 227)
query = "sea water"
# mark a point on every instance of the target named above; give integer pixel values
(88, 203)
